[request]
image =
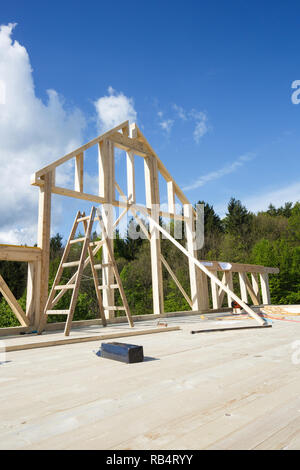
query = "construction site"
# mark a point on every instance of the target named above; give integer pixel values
(222, 375)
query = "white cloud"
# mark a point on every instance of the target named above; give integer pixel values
(199, 119)
(114, 109)
(277, 197)
(166, 125)
(214, 175)
(180, 112)
(32, 134)
(260, 202)
(201, 127)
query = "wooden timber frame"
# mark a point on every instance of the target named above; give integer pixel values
(33, 257)
(204, 276)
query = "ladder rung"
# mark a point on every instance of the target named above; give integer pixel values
(57, 312)
(113, 307)
(81, 219)
(104, 265)
(77, 240)
(70, 264)
(67, 286)
(112, 286)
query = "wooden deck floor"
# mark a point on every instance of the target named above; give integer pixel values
(221, 390)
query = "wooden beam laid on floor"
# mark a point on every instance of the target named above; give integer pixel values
(85, 339)
(211, 330)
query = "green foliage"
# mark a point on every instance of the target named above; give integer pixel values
(238, 220)
(270, 238)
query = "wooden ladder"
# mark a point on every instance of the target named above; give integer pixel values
(81, 263)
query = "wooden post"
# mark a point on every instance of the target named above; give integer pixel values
(152, 202)
(229, 283)
(198, 280)
(244, 294)
(79, 172)
(44, 224)
(130, 177)
(255, 285)
(171, 197)
(30, 294)
(107, 191)
(265, 290)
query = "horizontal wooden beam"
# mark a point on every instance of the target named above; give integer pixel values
(72, 193)
(20, 253)
(238, 267)
(128, 144)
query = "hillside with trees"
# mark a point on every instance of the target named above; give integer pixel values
(270, 238)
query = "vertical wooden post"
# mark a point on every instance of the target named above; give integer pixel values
(152, 202)
(255, 285)
(130, 177)
(44, 224)
(198, 279)
(30, 292)
(265, 290)
(229, 283)
(243, 288)
(107, 191)
(79, 172)
(171, 197)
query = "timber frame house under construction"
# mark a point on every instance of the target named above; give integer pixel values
(204, 277)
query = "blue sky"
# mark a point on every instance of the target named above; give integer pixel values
(208, 82)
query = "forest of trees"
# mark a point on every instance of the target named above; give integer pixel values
(270, 238)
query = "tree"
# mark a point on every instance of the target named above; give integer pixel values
(238, 219)
(294, 224)
(212, 222)
(285, 211)
(56, 247)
